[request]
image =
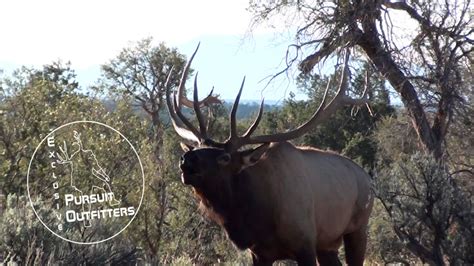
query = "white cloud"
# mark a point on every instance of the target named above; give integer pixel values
(89, 32)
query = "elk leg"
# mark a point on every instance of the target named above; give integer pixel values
(328, 258)
(354, 246)
(306, 257)
(260, 261)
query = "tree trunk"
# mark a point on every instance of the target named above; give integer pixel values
(372, 46)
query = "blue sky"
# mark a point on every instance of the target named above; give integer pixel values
(89, 33)
(223, 61)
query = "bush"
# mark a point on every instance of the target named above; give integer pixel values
(430, 215)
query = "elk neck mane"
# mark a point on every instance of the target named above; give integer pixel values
(240, 210)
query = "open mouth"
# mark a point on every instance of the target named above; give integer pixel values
(184, 179)
(189, 178)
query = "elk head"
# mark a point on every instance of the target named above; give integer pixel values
(209, 164)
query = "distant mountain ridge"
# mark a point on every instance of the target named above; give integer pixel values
(256, 102)
(247, 108)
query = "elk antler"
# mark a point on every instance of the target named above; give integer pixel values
(181, 124)
(182, 100)
(210, 99)
(234, 142)
(322, 113)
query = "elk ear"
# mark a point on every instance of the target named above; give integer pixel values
(251, 157)
(186, 147)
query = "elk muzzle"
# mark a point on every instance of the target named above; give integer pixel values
(188, 165)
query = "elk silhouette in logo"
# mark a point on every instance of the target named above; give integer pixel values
(276, 199)
(96, 181)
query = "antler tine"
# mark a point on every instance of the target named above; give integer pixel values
(184, 76)
(210, 93)
(298, 131)
(325, 98)
(255, 123)
(186, 122)
(168, 78)
(367, 82)
(197, 110)
(365, 93)
(366, 87)
(183, 100)
(210, 99)
(175, 118)
(341, 97)
(209, 113)
(233, 123)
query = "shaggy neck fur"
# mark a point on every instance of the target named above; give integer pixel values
(237, 209)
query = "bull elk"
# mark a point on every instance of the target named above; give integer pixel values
(278, 200)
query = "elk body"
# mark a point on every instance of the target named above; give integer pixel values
(278, 200)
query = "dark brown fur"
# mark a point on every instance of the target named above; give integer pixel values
(240, 212)
(280, 201)
(244, 204)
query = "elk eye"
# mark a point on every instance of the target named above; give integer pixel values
(223, 159)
